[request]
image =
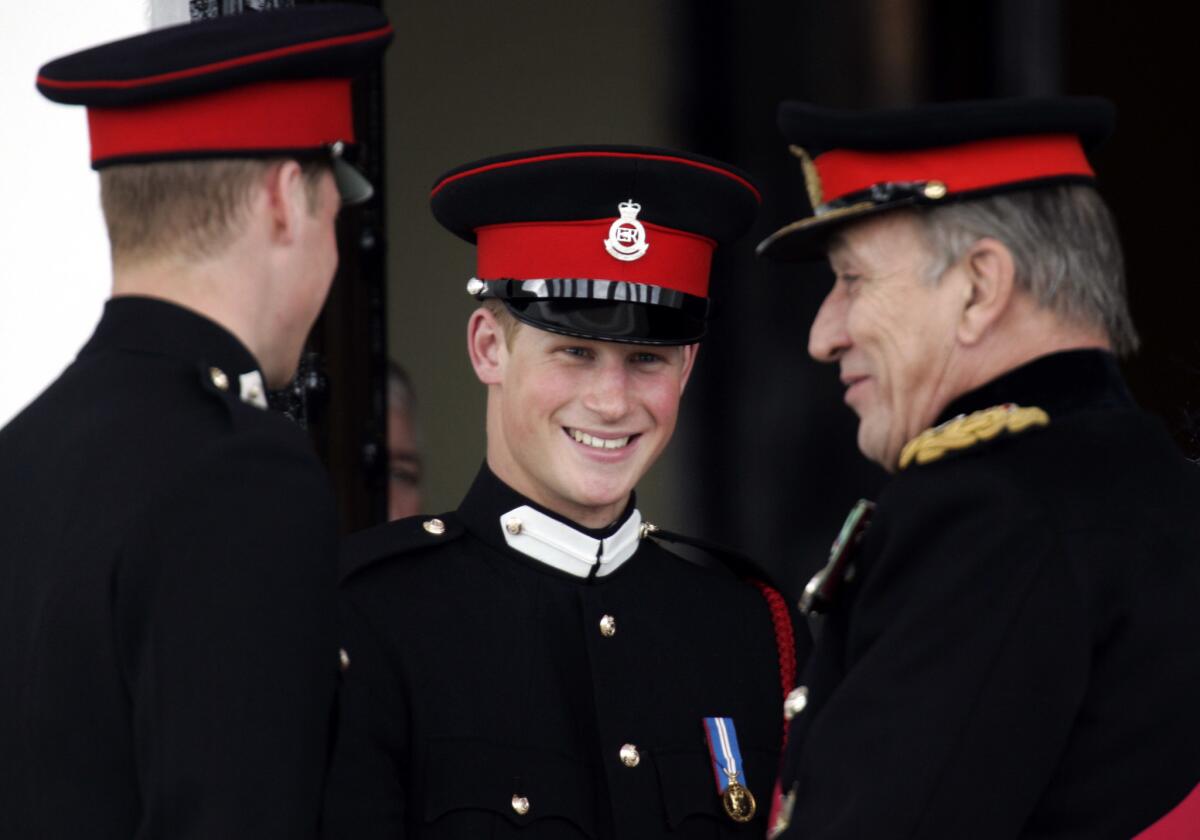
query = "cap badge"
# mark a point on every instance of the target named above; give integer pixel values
(626, 236)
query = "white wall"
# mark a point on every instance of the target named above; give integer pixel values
(54, 263)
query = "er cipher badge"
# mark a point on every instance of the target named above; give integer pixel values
(627, 236)
(736, 798)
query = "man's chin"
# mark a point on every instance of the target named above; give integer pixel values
(874, 450)
(594, 500)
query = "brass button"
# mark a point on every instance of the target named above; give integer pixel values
(520, 804)
(796, 700)
(630, 756)
(434, 526)
(513, 526)
(219, 378)
(608, 627)
(935, 190)
(343, 658)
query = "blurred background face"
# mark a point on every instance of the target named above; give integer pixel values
(580, 421)
(405, 464)
(890, 329)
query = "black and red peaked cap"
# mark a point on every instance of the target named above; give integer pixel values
(272, 83)
(606, 242)
(858, 163)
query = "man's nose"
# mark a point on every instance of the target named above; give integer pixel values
(827, 338)
(608, 391)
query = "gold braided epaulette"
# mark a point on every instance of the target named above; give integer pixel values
(966, 430)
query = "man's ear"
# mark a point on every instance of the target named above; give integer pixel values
(690, 352)
(486, 346)
(286, 199)
(990, 276)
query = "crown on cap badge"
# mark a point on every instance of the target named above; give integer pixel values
(626, 236)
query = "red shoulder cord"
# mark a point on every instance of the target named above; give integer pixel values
(785, 640)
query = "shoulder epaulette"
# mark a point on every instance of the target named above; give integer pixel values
(968, 430)
(365, 548)
(232, 391)
(782, 619)
(714, 555)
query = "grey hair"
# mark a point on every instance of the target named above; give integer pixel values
(1064, 244)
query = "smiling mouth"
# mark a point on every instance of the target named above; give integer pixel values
(599, 442)
(851, 388)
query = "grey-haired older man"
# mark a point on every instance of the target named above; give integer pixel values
(1008, 650)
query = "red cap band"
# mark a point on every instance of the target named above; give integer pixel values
(971, 166)
(284, 115)
(674, 260)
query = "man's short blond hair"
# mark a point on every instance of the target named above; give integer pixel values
(504, 317)
(188, 208)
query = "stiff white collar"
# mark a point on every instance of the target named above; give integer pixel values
(557, 544)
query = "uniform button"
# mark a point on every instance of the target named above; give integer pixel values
(520, 804)
(475, 286)
(608, 627)
(935, 190)
(434, 526)
(630, 756)
(343, 659)
(219, 378)
(513, 526)
(796, 700)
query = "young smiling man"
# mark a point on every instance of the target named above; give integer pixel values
(532, 665)
(1008, 650)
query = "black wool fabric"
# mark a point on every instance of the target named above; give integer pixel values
(477, 674)
(1016, 655)
(167, 580)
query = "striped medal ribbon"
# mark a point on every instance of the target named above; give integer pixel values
(736, 798)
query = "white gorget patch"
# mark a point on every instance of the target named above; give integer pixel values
(557, 544)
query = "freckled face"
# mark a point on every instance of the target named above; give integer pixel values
(582, 421)
(891, 330)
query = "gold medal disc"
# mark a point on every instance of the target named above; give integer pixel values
(739, 802)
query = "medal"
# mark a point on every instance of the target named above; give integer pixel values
(739, 802)
(820, 592)
(736, 798)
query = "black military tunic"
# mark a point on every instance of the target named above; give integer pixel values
(167, 585)
(1016, 653)
(492, 694)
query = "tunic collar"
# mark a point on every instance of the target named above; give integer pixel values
(160, 328)
(1060, 384)
(505, 519)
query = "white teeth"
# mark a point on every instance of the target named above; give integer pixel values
(599, 443)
